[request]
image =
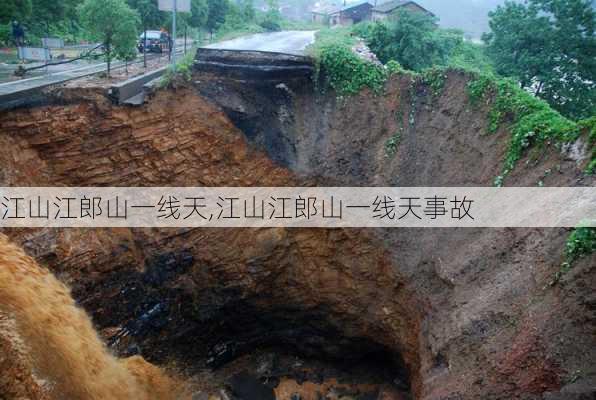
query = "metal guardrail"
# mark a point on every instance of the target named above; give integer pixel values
(26, 91)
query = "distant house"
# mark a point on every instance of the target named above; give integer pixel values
(363, 11)
(322, 14)
(385, 10)
(343, 15)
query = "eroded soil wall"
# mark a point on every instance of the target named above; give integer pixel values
(466, 313)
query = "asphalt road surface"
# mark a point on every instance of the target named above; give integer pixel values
(290, 42)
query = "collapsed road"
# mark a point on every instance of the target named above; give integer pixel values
(289, 42)
(428, 314)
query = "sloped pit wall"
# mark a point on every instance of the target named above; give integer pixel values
(469, 312)
(487, 309)
(184, 295)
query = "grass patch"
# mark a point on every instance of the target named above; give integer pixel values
(589, 125)
(392, 144)
(329, 37)
(533, 122)
(348, 74)
(581, 242)
(342, 69)
(435, 78)
(471, 57)
(183, 70)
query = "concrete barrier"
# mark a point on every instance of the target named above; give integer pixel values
(132, 88)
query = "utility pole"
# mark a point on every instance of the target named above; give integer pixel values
(173, 49)
(174, 6)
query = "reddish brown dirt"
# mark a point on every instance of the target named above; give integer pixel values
(467, 309)
(96, 144)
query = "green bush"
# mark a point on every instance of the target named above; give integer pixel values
(5, 35)
(329, 37)
(435, 78)
(589, 125)
(348, 74)
(392, 144)
(471, 57)
(412, 39)
(532, 120)
(549, 46)
(182, 71)
(363, 29)
(270, 25)
(394, 68)
(343, 70)
(580, 243)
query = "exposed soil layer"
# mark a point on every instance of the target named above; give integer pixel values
(433, 313)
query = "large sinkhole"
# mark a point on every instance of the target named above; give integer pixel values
(256, 348)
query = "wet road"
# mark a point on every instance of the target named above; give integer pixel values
(290, 42)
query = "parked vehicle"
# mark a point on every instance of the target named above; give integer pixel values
(157, 42)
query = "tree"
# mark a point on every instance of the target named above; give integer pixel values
(48, 11)
(248, 10)
(125, 40)
(413, 40)
(272, 19)
(199, 13)
(197, 18)
(113, 23)
(217, 14)
(149, 15)
(550, 47)
(14, 10)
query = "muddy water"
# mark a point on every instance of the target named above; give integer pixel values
(67, 351)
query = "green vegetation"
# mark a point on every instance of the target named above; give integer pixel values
(392, 144)
(532, 120)
(116, 24)
(222, 18)
(216, 16)
(394, 68)
(435, 78)
(348, 74)
(581, 242)
(51, 18)
(416, 46)
(549, 46)
(589, 126)
(183, 71)
(413, 40)
(408, 43)
(14, 9)
(272, 19)
(470, 57)
(343, 70)
(113, 23)
(325, 38)
(243, 19)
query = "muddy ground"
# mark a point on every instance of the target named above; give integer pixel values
(401, 313)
